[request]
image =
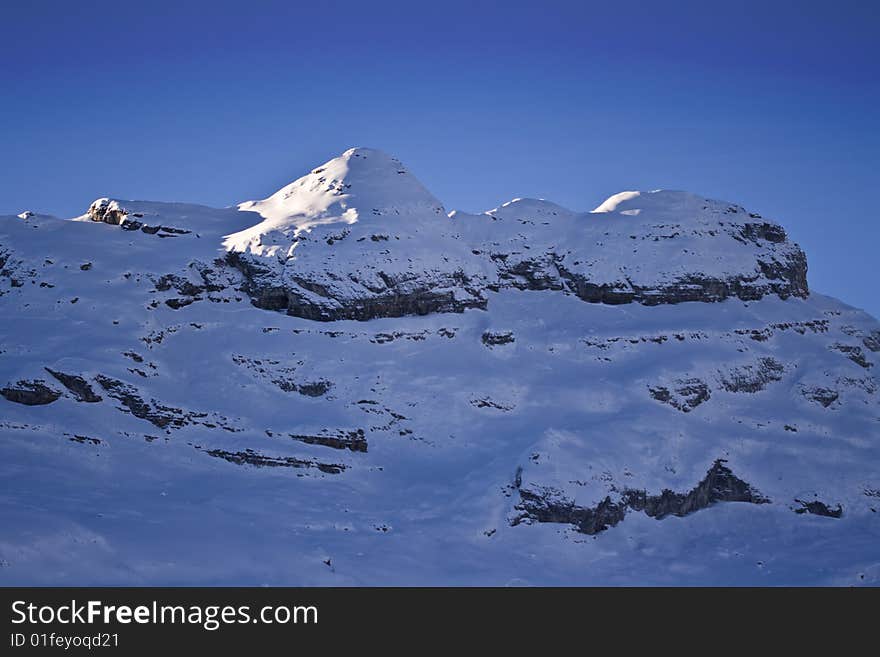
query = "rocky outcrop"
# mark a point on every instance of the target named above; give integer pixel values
(784, 277)
(684, 395)
(815, 507)
(30, 393)
(108, 211)
(357, 298)
(587, 520)
(496, 339)
(753, 377)
(77, 385)
(251, 457)
(784, 280)
(354, 441)
(719, 485)
(283, 376)
(157, 414)
(854, 353)
(823, 396)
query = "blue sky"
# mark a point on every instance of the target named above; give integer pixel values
(773, 105)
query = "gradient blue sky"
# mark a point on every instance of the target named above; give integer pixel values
(773, 105)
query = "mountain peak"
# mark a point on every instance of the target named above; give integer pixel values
(361, 183)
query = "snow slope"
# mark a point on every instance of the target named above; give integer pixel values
(342, 384)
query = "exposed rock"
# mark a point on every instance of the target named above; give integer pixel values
(586, 520)
(86, 439)
(282, 376)
(486, 402)
(854, 353)
(107, 211)
(77, 385)
(383, 338)
(30, 393)
(354, 441)
(818, 508)
(872, 341)
(528, 273)
(177, 304)
(685, 395)
(314, 388)
(823, 396)
(250, 457)
(719, 485)
(753, 377)
(491, 339)
(418, 293)
(158, 414)
(763, 231)
(111, 212)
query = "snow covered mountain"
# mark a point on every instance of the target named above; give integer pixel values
(345, 384)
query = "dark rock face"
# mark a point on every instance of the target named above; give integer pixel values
(282, 376)
(823, 396)
(30, 393)
(872, 341)
(763, 231)
(413, 294)
(314, 388)
(818, 508)
(685, 395)
(719, 485)
(491, 339)
(784, 276)
(250, 457)
(587, 520)
(189, 291)
(77, 385)
(354, 441)
(157, 414)
(177, 304)
(540, 273)
(754, 377)
(855, 354)
(790, 281)
(83, 440)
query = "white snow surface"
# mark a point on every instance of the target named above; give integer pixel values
(361, 183)
(461, 413)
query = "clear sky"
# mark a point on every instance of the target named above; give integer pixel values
(773, 105)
